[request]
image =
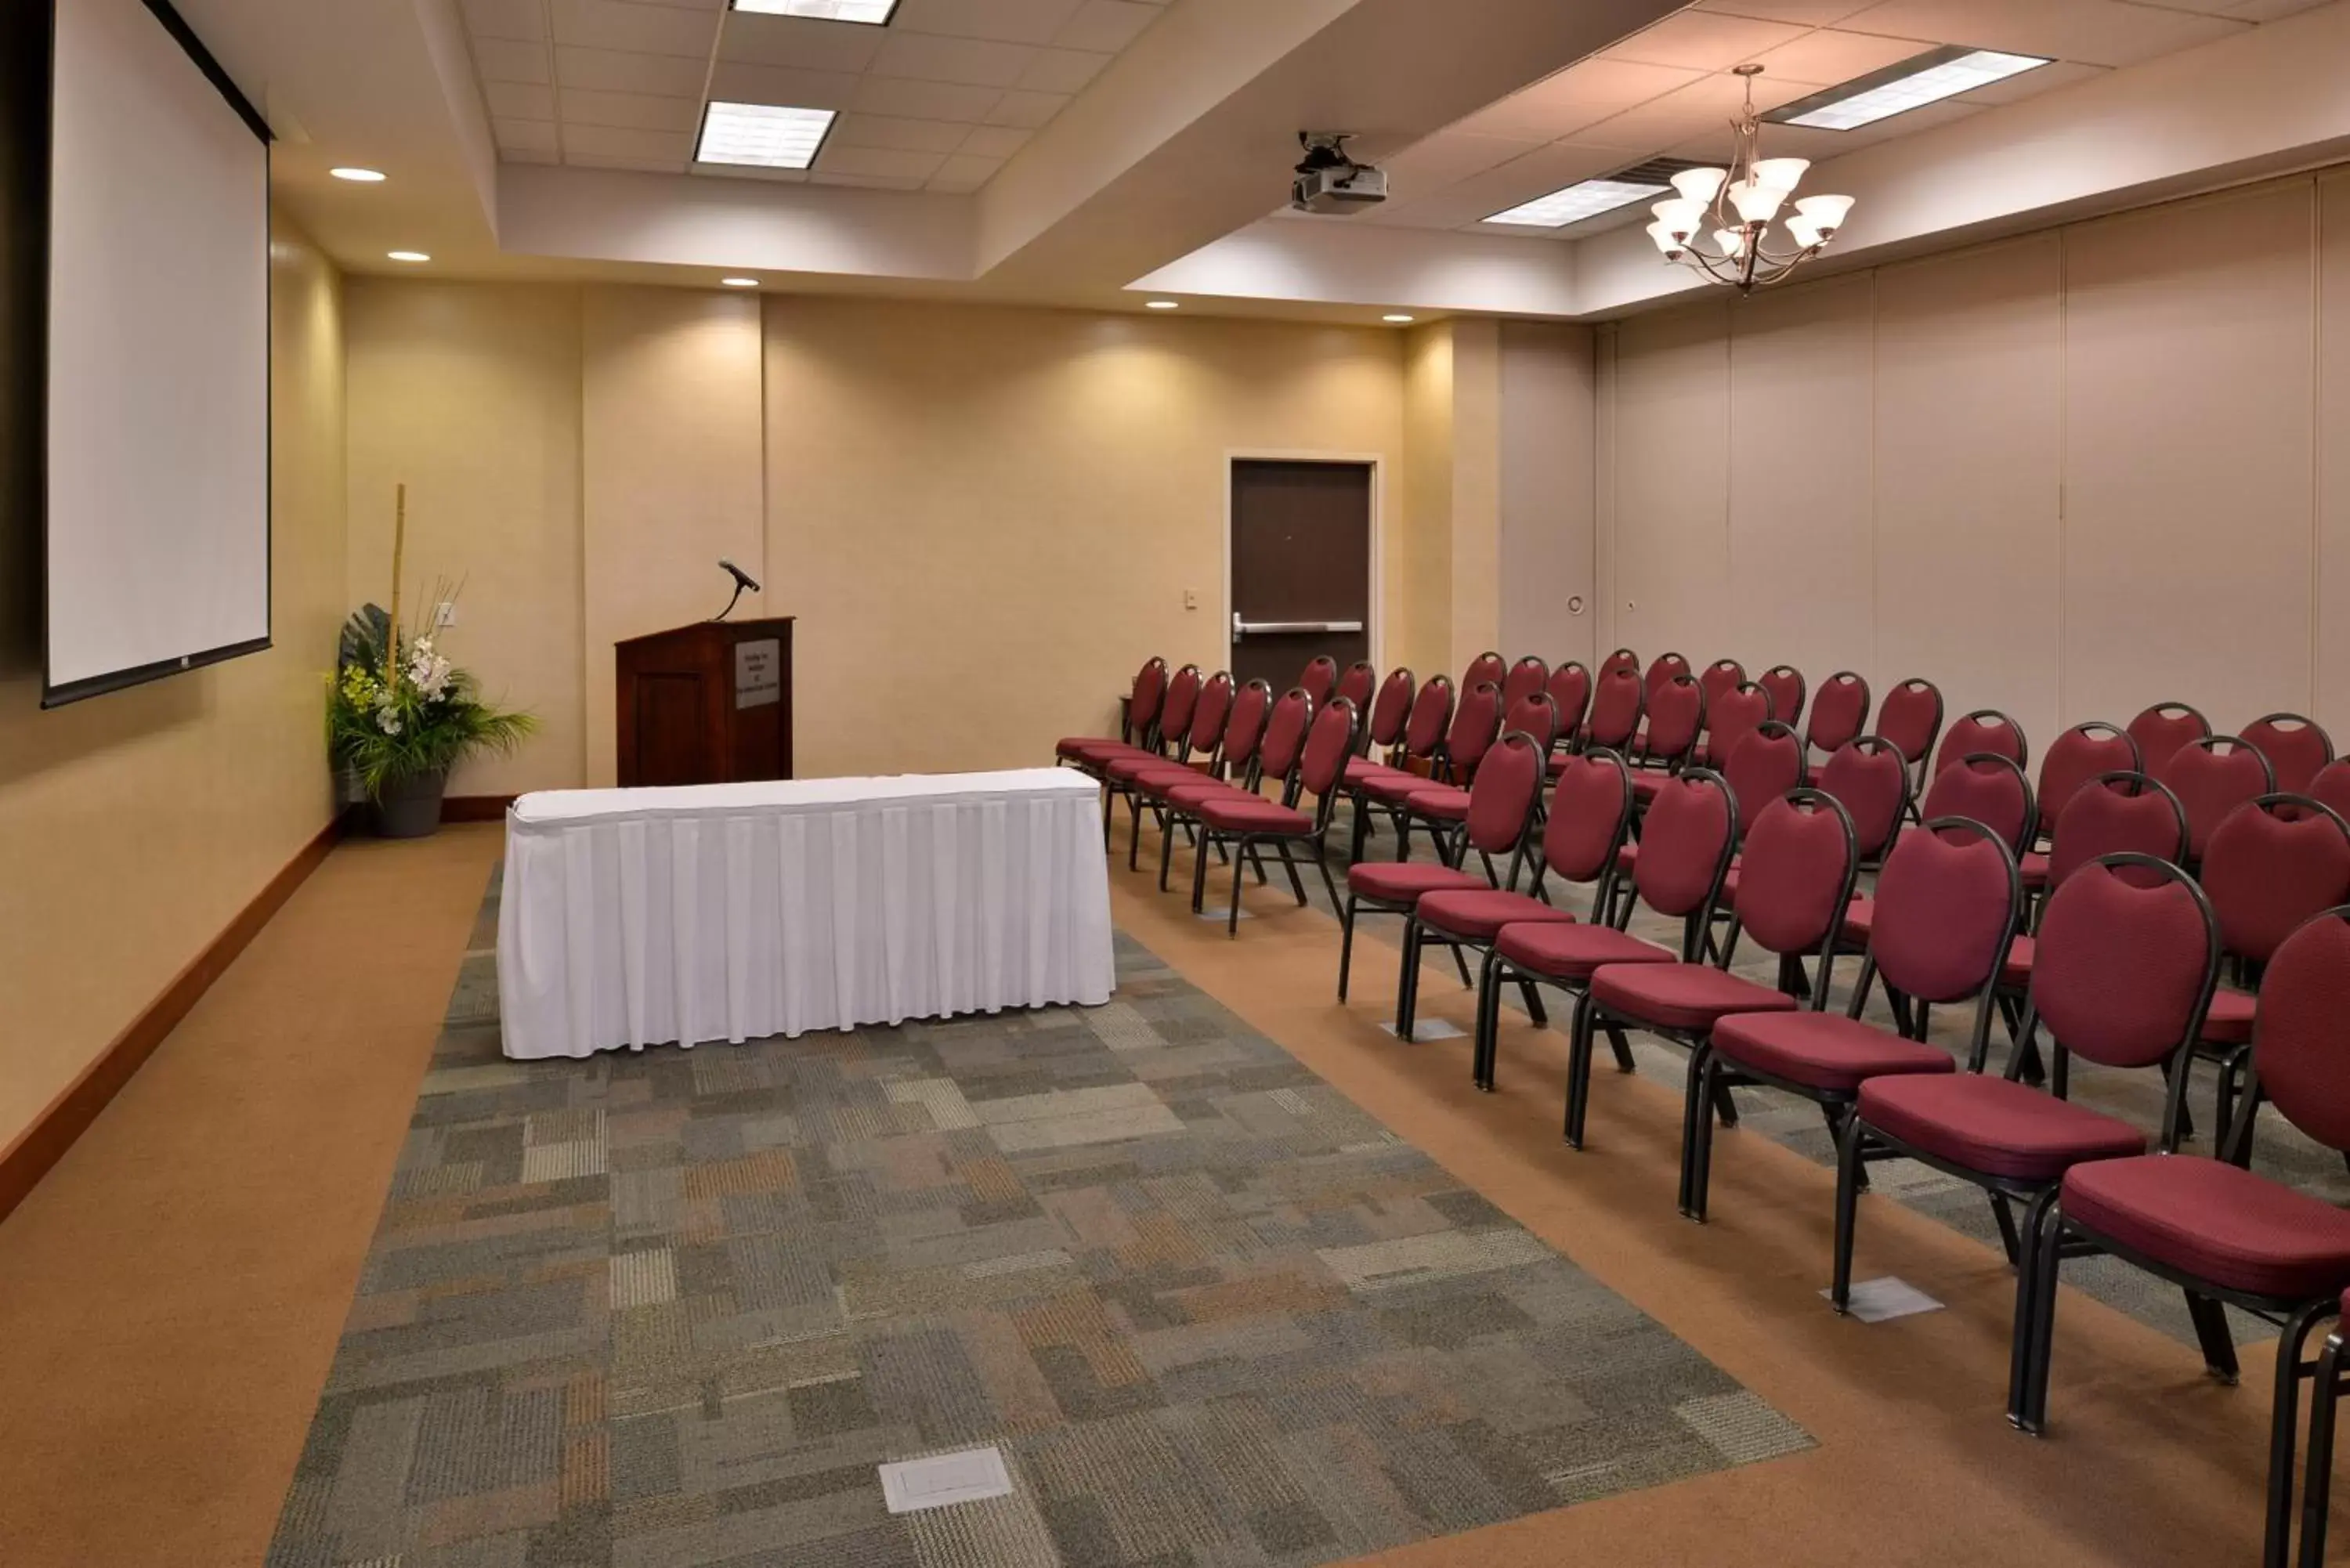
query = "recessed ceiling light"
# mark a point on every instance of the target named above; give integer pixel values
(1914, 83)
(740, 282)
(358, 176)
(1587, 199)
(1397, 318)
(408, 255)
(874, 12)
(1161, 305)
(768, 135)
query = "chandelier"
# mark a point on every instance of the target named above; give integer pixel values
(1732, 208)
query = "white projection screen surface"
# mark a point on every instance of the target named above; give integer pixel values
(157, 537)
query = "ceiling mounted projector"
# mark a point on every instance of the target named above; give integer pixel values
(1327, 180)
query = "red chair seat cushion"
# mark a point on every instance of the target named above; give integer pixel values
(2017, 975)
(1627, 859)
(1191, 797)
(1645, 785)
(1358, 769)
(1393, 788)
(1132, 765)
(2230, 1022)
(1159, 780)
(1092, 749)
(1683, 995)
(2209, 1218)
(1403, 881)
(1823, 1050)
(1248, 813)
(1481, 913)
(2035, 869)
(1859, 918)
(1441, 803)
(1557, 951)
(1994, 1127)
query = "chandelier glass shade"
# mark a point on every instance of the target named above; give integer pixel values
(1735, 208)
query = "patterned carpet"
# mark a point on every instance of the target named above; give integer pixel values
(674, 1308)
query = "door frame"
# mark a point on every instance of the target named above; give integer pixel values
(1375, 622)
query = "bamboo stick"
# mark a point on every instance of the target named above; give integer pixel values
(399, 548)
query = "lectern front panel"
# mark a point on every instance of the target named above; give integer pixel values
(673, 739)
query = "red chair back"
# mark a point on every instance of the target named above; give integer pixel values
(1721, 676)
(1533, 714)
(2124, 962)
(1785, 684)
(1142, 706)
(2297, 748)
(1525, 678)
(1676, 714)
(2273, 863)
(1319, 679)
(1284, 734)
(1328, 743)
(1984, 730)
(1392, 708)
(1869, 780)
(1622, 658)
(1839, 712)
(1359, 682)
(1617, 704)
(1948, 901)
(1570, 692)
(1431, 714)
(1662, 669)
(1509, 787)
(1685, 842)
(2116, 813)
(1244, 728)
(2163, 729)
(2212, 777)
(1766, 764)
(2298, 1056)
(1911, 718)
(1487, 666)
(1474, 726)
(1209, 713)
(1987, 788)
(2081, 754)
(1182, 696)
(1796, 876)
(1590, 813)
(1742, 711)
(2331, 787)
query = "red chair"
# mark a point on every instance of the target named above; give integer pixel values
(1911, 719)
(1487, 666)
(1984, 730)
(1501, 813)
(1280, 742)
(1690, 827)
(1839, 712)
(1723, 675)
(1475, 724)
(2081, 754)
(1796, 876)
(1742, 711)
(1137, 730)
(2272, 864)
(2331, 787)
(1617, 703)
(2130, 952)
(1570, 687)
(1319, 679)
(1359, 685)
(1767, 764)
(1989, 788)
(1244, 823)
(1785, 684)
(1622, 658)
(1443, 809)
(1590, 813)
(2163, 729)
(1390, 710)
(1423, 735)
(2297, 748)
(2211, 777)
(2225, 1235)
(2317, 1487)
(1676, 719)
(1525, 678)
(1124, 775)
(1870, 780)
(1949, 901)
(1662, 669)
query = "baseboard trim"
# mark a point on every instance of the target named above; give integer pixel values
(476, 807)
(36, 1150)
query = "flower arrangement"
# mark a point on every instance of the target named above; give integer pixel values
(397, 709)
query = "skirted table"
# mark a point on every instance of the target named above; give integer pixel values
(638, 917)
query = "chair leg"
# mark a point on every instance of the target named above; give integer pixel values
(1322, 864)
(1240, 853)
(2041, 1344)
(1256, 858)
(2212, 1335)
(1847, 1208)
(2021, 1342)
(1461, 963)
(1489, 1022)
(1134, 836)
(1200, 872)
(1408, 982)
(1697, 1097)
(1345, 943)
(1361, 831)
(1621, 1047)
(1166, 849)
(2317, 1480)
(1296, 883)
(1578, 1069)
(1534, 1008)
(2285, 1427)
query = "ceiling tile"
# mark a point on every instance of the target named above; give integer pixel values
(1581, 95)
(997, 141)
(1108, 25)
(1703, 40)
(883, 161)
(1447, 158)
(1061, 70)
(2098, 31)
(902, 135)
(620, 25)
(1538, 174)
(1006, 21)
(525, 135)
(529, 155)
(749, 171)
(867, 182)
(507, 60)
(606, 70)
(1028, 109)
(974, 62)
(735, 81)
(523, 19)
(923, 100)
(965, 174)
(802, 41)
(632, 111)
(1803, 13)
(1707, 104)
(579, 159)
(615, 141)
(2273, 10)
(2032, 83)
(1829, 57)
(518, 100)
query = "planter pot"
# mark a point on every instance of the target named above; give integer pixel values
(409, 807)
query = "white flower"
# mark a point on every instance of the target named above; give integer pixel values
(389, 723)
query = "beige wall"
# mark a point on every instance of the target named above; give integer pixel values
(2065, 475)
(1545, 433)
(135, 825)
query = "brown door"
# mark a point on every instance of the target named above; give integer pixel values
(1301, 567)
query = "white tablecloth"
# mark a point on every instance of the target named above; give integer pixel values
(735, 912)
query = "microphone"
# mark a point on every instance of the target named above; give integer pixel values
(744, 582)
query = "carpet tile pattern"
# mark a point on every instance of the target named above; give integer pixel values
(675, 1308)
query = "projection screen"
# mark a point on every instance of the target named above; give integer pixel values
(157, 536)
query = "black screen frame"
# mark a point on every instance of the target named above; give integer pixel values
(53, 695)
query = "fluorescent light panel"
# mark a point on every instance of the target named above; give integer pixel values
(767, 135)
(1587, 199)
(873, 13)
(1914, 83)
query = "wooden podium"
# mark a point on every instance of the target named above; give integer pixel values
(708, 703)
